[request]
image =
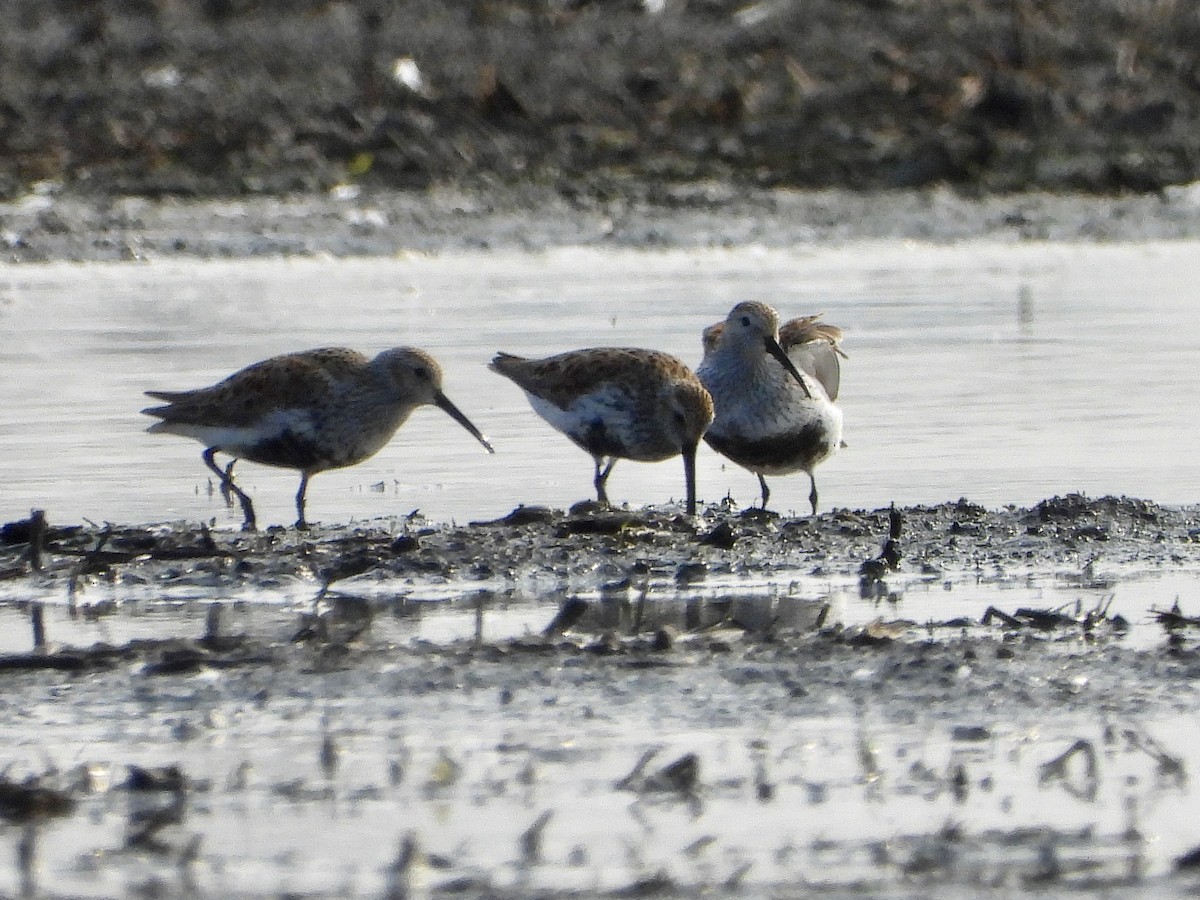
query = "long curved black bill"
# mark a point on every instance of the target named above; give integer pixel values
(443, 402)
(776, 351)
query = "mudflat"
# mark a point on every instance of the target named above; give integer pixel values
(924, 701)
(602, 702)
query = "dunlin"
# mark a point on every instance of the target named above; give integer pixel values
(618, 403)
(767, 420)
(309, 411)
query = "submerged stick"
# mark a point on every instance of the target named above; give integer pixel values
(37, 538)
(36, 615)
(212, 623)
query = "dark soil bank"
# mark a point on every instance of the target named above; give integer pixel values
(226, 97)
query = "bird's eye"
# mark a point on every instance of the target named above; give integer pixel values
(421, 372)
(745, 321)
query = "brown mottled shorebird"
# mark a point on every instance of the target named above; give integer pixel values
(618, 403)
(766, 421)
(309, 411)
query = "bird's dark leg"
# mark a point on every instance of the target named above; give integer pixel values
(766, 491)
(300, 523)
(689, 477)
(226, 476)
(812, 495)
(601, 479)
(227, 483)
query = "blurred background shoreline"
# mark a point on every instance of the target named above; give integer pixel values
(597, 99)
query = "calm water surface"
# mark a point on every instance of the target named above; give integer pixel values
(1003, 374)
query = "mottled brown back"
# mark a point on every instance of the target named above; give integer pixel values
(281, 382)
(561, 379)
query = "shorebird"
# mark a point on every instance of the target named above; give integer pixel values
(766, 421)
(309, 411)
(617, 403)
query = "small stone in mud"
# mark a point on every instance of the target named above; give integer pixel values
(605, 645)
(526, 515)
(722, 536)
(160, 778)
(1090, 533)
(614, 523)
(682, 776)
(30, 800)
(758, 514)
(970, 733)
(691, 571)
(404, 544)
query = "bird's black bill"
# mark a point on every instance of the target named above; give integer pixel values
(456, 414)
(689, 477)
(776, 351)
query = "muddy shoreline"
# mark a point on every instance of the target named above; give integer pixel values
(51, 226)
(670, 580)
(595, 548)
(546, 726)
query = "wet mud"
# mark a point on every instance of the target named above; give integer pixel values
(669, 684)
(593, 548)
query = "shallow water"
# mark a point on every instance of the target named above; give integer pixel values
(801, 783)
(1003, 374)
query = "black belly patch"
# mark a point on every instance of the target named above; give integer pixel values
(597, 440)
(288, 451)
(799, 449)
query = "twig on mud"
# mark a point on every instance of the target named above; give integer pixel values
(635, 777)
(1169, 765)
(993, 613)
(37, 538)
(1056, 769)
(1173, 618)
(212, 624)
(1052, 619)
(531, 839)
(679, 777)
(37, 617)
(90, 563)
(568, 614)
(889, 558)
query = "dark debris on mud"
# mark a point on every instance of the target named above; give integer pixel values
(342, 577)
(595, 548)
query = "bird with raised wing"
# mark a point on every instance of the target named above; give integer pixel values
(767, 420)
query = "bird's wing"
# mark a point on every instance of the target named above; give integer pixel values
(814, 348)
(250, 395)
